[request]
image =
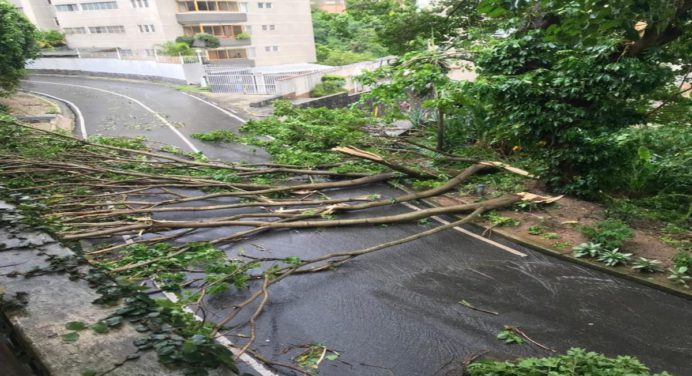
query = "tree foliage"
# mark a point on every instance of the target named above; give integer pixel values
(566, 76)
(50, 38)
(17, 45)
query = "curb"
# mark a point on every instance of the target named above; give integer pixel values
(530, 244)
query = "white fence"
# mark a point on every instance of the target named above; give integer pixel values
(246, 80)
(143, 68)
(230, 79)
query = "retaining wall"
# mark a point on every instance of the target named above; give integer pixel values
(138, 69)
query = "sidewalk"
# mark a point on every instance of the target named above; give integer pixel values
(55, 299)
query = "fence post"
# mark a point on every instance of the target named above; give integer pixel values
(79, 56)
(156, 56)
(182, 61)
(117, 51)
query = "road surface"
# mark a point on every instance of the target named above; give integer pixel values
(397, 312)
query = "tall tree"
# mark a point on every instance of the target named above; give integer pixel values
(17, 45)
(560, 78)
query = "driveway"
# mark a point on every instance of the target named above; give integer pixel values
(397, 312)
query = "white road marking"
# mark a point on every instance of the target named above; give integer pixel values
(471, 234)
(218, 108)
(249, 360)
(163, 120)
(78, 113)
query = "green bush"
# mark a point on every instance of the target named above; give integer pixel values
(242, 36)
(575, 362)
(682, 258)
(176, 48)
(209, 40)
(333, 77)
(610, 233)
(327, 88)
(187, 39)
(50, 38)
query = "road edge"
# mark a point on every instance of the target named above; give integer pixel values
(530, 244)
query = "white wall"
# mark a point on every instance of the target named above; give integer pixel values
(121, 67)
(292, 34)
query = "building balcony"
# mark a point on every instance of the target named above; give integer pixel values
(192, 18)
(232, 42)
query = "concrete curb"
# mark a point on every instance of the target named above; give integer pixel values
(54, 300)
(530, 244)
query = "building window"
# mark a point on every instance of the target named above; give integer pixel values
(146, 28)
(264, 27)
(271, 48)
(116, 29)
(140, 3)
(272, 27)
(275, 48)
(207, 6)
(74, 30)
(264, 5)
(100, 5)
(226, 54)
(260, 5)
(219, 31)
(67, 8)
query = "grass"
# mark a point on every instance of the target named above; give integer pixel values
(192, 89)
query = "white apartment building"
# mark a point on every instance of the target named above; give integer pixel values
(280, 31)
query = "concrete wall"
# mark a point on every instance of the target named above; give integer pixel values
(182, 73)
(40, 12)
(292, 32)
(160, 13)
(299, 85)
(331, 101)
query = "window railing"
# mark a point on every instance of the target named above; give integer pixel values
(211, 6)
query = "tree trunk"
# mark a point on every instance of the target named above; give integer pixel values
(440, 129)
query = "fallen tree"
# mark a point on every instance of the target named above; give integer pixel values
(115, 197)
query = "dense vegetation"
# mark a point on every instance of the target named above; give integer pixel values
(598, 105)
(374, 28)
(575, 362)
(17, 45)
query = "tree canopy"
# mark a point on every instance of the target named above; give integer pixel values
(17, 43)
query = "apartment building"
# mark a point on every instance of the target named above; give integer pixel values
(257, 32)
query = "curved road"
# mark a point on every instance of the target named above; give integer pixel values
(397, 312)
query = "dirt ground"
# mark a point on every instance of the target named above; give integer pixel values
(559, 224)
(24, 104)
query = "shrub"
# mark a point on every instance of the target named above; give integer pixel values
(679, 275)
(646, 265)
(176, 48)
(682, 258)
(333, 77)
(187, 39)
(587, 249)
(575, 362)
(610, 233)
(614, 257)
(242, 36)
(50, 38)
(209, 40)
(327, 88)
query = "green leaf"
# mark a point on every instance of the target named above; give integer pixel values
(332, 356)
(75, 325)
(100, 327)
(70, 337)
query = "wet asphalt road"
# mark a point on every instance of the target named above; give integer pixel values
(397, 312)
